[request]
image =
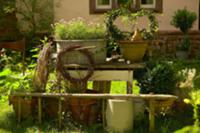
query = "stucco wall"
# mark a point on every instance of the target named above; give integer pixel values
(69, 9)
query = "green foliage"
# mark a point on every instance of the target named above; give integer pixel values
(180, 65)
(14, 81)
(79, 29)
(114, 34)
(160, 78)
(35, 19)
(194, 100)
(37, 15)
(10, 59)
(6, 7)
(183, 19)
(186, 43)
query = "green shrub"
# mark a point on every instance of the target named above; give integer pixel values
(79, 29)
(183, 19)
(194, 100)
(160, 78)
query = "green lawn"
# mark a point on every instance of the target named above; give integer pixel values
(119, 87)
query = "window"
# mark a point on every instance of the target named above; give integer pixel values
(155, 5)
(147, 3)
(102, 6)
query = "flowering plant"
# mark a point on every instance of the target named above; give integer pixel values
(79, 29)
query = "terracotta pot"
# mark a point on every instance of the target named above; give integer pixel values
(85, 111)
(50, 107)
(27, 106)
(133, 51)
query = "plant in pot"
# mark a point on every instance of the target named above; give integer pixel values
(184, 20)
(79, 32)
(14, 81)
(159, 78)
(132, 45)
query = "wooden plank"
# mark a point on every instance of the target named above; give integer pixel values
(152, 116)
(19, 109)
(59, 112)
(104, 113)
(107, 66)
(101, 96)
(39, 110)
(103, 75)
(129, 84)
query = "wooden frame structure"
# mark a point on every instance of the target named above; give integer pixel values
(108, 72)
(152, 98)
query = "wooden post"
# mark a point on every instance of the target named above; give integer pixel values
(152, 116)
(102, 86)
(19, 109)
(129, 85)
(39, 110)
(59, 112)
(103, 113)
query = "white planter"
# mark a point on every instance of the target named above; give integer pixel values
(98, 52)
(119, 115)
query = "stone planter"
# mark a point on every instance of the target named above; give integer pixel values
(119, 115)
(98, 52)
(133, 51)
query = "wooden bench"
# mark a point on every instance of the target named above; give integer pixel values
(151, 98)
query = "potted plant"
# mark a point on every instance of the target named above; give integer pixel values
(16, 82)
(79, 32)
(132, 45)
(159, 78)
(184, 20)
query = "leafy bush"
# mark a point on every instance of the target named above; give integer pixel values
(183, 19)
(79, 29)
(14, 81)
(160, 78)
(194, 100)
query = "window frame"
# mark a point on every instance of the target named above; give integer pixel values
(95, 10)
(148, 6)
(135, 6)
(158, 8)
(103, 6)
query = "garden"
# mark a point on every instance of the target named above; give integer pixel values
(79, 76)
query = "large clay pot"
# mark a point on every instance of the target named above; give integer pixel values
(27, 106)
(133, 51)
(97, 48)
(85, 111)
(50, 106)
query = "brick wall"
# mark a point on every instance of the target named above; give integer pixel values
(167, 41)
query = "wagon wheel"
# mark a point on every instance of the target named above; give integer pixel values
(65, 73)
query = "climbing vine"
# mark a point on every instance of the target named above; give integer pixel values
(114, 33)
